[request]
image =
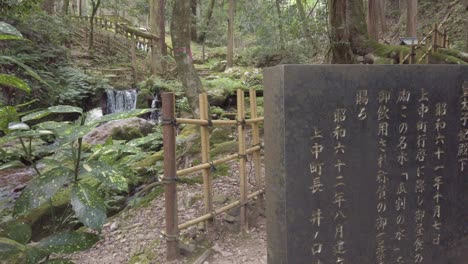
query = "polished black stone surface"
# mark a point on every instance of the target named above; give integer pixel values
(387, 144)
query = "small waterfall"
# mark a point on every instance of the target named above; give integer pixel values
(93, 114)
(155, 104)
(121, 101)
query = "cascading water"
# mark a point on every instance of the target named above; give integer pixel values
(121, 101)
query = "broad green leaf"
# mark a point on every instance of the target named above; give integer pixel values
(88, 205)
(40, 189)
(51, 110)
(35, 115)
(15, 82)
(59, 261)
(26, 104)
(34, 254)
(19, 232)
(6, 28)
(11, 165)
(10, 37)
(68, 242)
(30, 133)
(105, 174)
(122, 115)
(65, 109)
(18, 126)
(157, 136)
(25, 67)
(9, 248)
(7, 114)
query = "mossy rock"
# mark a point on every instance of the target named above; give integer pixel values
(227, 147)
(188, 141)
(140, 259)
(380, 60)
(220, 89)
(220, 135)
(126, 133)
(154, 160)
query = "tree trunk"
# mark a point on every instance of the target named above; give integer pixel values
(95, 7)
(180, 34)
(157, 27)
(230, 35)
(412, 18)
(348, 30)
(375, 18)
(48, 6)
(193, 29)
(304, 21)
(66, 4)
(280, 25)
(209, 14)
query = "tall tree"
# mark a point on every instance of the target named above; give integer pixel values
(48, 6)
(158, 28)
(65, 7)
(94, 8)
(412, 18)
(375, 18)
(348, 30)
(230, 34)
(180, 34)
(304, 21)
(193, 29)
(280, 24)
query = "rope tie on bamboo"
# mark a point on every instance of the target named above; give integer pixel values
(212, 166)
(242, 156)
(241, 123)
(170, 122)
(170, 180)
(171, 238)
(210, 123)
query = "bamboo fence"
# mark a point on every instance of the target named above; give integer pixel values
(438, 39)
(170, 173)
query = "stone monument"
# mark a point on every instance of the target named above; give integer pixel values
(367, 164)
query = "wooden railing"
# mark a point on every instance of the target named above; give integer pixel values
(170, 173)
(433, 40)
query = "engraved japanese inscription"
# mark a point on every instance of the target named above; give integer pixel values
(366, 164)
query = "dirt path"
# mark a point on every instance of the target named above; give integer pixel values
(135, 236)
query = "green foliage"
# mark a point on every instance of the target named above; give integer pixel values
(8, 29)
(88, 205)
(17, 250)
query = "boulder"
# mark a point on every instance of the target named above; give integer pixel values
(100, 134)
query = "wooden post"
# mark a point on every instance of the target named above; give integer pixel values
(401, 57)
(434, 39)
(445, 38)
(413, 53)
(242, 158)
(133, 50)
(255, 139)
(170, 187)
(205, 149)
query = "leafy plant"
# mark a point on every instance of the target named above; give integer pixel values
(17, 247)
(83, 174)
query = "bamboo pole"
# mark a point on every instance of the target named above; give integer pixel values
(217, 122)
(200, 167)
(242, 157)
(218, 211)
(255, 139)
(205, 149)
(434, 39)
(445, 39)
(170, 188)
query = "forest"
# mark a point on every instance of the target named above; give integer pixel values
(81, 141)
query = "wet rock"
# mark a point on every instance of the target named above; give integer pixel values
(100, 134)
